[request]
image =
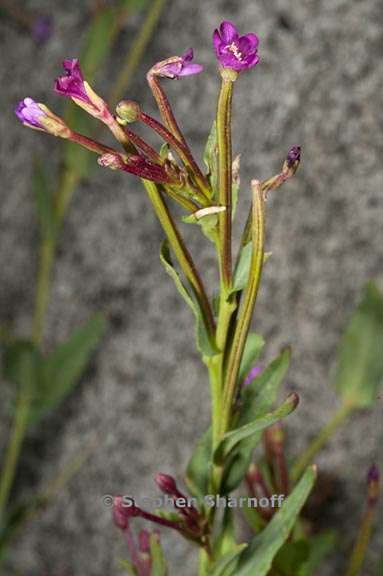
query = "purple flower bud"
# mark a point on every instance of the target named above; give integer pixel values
(38, 116)
(42, 29)
(29, 113)
(293, 156)
(234, 51)
(373, 478)
(137, 165)
(177, 66)
(167, 484)
(122, 513)
(373, 474)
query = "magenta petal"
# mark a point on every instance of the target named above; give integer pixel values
(188, 55)
(248, 43)
(251, 61)
(217, 41)
(72, 84)
(190, 69)
(229, 32)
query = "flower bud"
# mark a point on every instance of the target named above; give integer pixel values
(373, 485)
(292, 161)
(127, 111)
(167, 484)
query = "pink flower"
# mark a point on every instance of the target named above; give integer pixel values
(235, 51)
(177, 66)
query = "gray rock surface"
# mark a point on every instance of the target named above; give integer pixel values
(319, 84)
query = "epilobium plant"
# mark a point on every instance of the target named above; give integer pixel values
(243, 392)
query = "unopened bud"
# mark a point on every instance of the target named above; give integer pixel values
(373, 485)
(292, 161)
(167, 484)
(127, 111)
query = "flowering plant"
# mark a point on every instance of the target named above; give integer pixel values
(243, 392)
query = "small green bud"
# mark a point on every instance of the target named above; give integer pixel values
(127, 111)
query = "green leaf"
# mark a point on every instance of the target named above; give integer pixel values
(257, 399)
(210, 158)
(251, 352)
(225, 566)
(204, 343)
(44, 204)
(242, 268)
(63, 368)
(261, 393)
(157, 555)
(233, 438)
(253, 518)
(259, 555)
(208, 222)
(198, 469)
(291, 557)
(22, 363)
(319, 547)
(225, 541)
(359, 371)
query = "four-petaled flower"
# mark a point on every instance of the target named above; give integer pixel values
(72, 85)
(235, 51)
(177, 66)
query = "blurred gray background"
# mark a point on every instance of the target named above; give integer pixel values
(319, 84)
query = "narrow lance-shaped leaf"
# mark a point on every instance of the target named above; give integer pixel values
(226, 565)
(204, 344)
(22, 363)
(157, 555)
(258, 557)
(232, 439)
(63, 368)
(256, 400)
(253, 348)
(359, 371)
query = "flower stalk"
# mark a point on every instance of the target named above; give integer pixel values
(360, 547)
(225, 180)
(247, 307)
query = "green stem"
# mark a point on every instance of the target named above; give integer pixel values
(246, 310)
(225, 179)
(204, 563)
(137, 50)
(319, 441)
(183, 256)
(360, 547)
(13, 448)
